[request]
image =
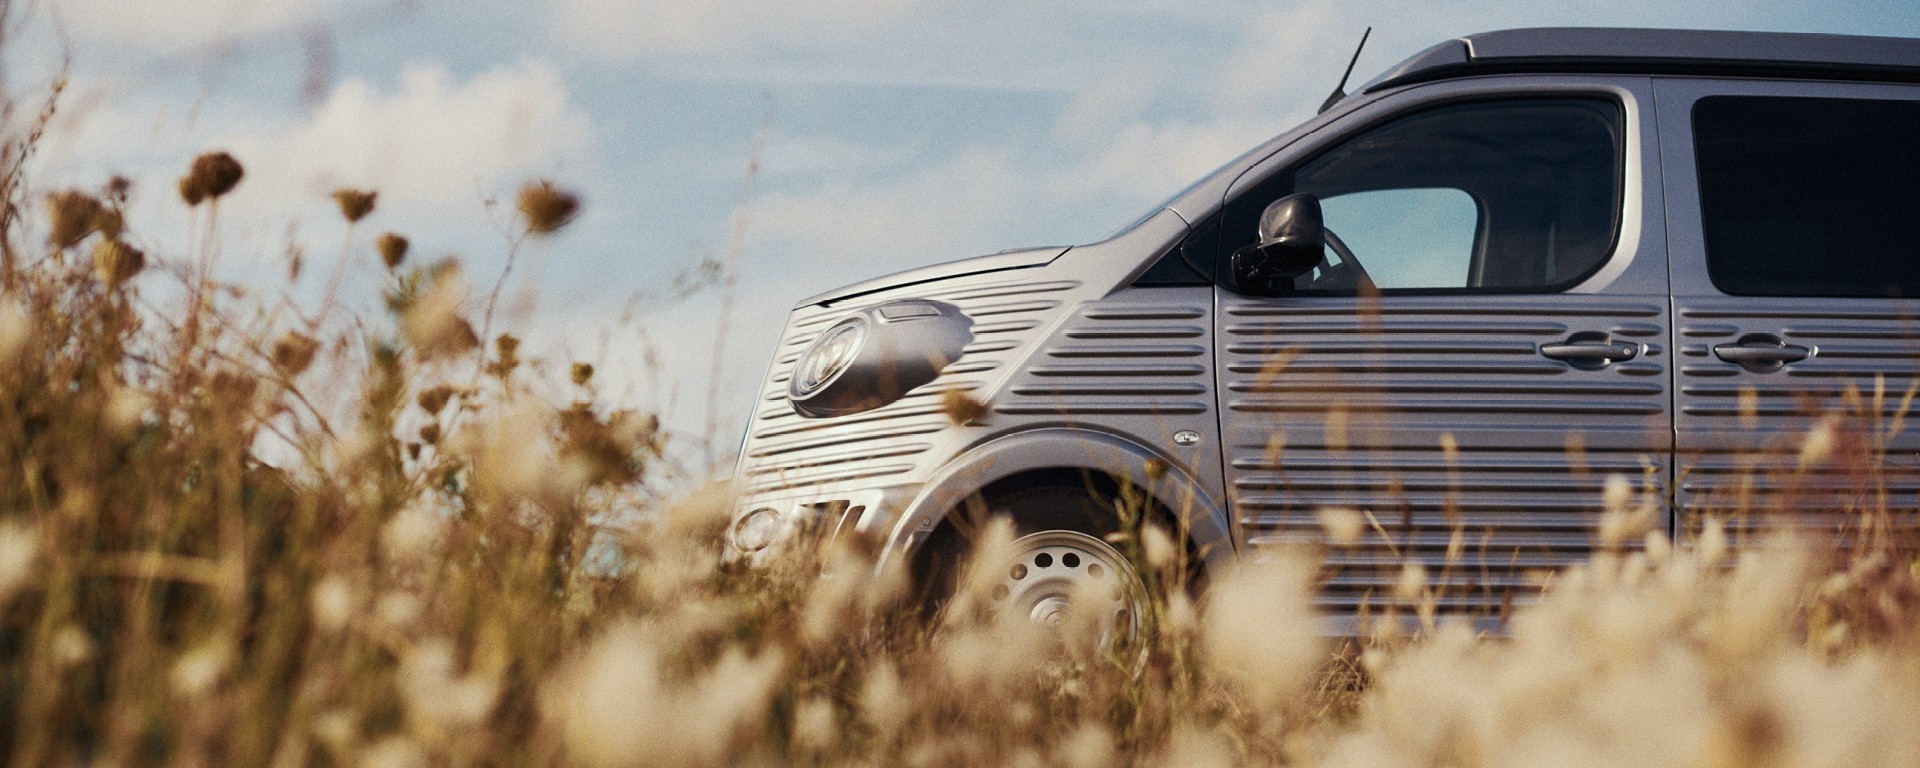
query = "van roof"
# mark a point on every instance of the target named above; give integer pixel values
(1662, 51)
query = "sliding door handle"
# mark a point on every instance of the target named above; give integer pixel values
(1590, 350)
(1761, 352)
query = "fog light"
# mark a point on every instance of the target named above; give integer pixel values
(757, 530)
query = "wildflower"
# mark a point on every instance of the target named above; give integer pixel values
(1158, 547)
(115, 262)
(332, 603)
(213, 174)
(355, 204)
(393, 249)
(1412, 583)
(294, 352)
(412, 533)
(18, 550)
(71, 646)
(433, 324)
(546, 207)
(1258, 628)
(434, 399)
(1821, 441)
(1343, 524)
(16, 328)
(199, 670)
(72, 216)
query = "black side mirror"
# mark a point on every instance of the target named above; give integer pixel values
(1292, 241)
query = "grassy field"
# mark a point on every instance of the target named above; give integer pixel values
(424, 579)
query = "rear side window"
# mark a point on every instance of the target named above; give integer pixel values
(1810, 196)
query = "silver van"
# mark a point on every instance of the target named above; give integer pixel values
(1454, 303)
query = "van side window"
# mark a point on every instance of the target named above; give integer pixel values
(1518, 195)
(1810, 196)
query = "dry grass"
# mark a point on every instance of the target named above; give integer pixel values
(426, 581)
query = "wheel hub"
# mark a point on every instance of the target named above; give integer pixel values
(1057, 575)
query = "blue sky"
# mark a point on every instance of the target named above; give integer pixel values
(896, 133)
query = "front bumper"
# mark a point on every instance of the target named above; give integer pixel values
(822, 516)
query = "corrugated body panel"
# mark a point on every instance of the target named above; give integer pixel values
(1146, 353)
(1741, 432)
(1341, 403)
(785, 452)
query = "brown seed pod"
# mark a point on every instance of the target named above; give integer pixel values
(432, 400)
(393, 250)
(960, 407)
(546, 207)
(355, 204)
(115, 262)
(71, 217)
(213, 174)
(294, 352)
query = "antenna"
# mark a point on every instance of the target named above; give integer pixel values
(1340, 91)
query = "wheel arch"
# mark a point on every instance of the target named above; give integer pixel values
(1055, 453)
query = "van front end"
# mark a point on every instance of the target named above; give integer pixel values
(890, 404)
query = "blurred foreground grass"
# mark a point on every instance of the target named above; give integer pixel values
(423, 579)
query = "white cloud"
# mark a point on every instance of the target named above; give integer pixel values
(435, 143)
(631, 29)
(179, 26)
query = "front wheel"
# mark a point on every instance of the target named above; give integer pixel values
(1060, 571)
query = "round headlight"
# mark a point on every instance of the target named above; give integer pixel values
(757, 530)
(827, 357)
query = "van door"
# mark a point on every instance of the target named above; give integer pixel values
(1484, 345)
(1795, 231)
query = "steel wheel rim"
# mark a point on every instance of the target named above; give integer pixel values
(1051, 569)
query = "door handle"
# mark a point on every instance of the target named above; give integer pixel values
(1761, 352)
(1590, 350)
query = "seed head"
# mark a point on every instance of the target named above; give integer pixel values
(294, 352)
(432, 400)
(961, 408)
(393, 249)
(355, 204)
(72, 216)
(546, 207)
(213, 174)
(115, 262)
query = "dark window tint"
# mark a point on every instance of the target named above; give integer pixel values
(1510, 195)
(1810, 197)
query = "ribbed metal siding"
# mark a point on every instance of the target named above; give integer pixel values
(1740, 461)
(786, 453)
(1333, 402)
(1123, 357)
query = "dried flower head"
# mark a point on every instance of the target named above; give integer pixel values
(294, 352)
(434, 399)
(546, 207)
(115, 262)
(213, 174)
(355, 204)
(118, 188)
(72, 215)
(433, 324)
(960, 407)
(1343, 525)
(393, 250)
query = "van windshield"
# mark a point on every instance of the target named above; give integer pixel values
(1168, 202)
